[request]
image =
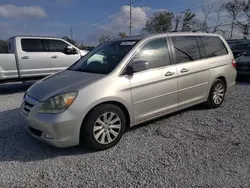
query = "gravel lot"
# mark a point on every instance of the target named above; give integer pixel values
(193, 148)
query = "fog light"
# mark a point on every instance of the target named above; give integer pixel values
(48, 136)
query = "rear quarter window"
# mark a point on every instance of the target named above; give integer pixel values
(32, 45)
(214, 46)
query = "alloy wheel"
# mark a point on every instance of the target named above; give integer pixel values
(107, 128)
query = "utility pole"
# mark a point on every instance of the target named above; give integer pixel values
(130, 17)
(71, 33)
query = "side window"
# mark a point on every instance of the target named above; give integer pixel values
(57, 45)
(214, 46)
(155, 52)
(32, 45)
(186, 49)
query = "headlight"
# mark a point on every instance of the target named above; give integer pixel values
(58, 104)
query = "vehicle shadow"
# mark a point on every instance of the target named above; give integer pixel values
(10, 88)
(17, 145)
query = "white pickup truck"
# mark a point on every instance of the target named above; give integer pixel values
(35, 57)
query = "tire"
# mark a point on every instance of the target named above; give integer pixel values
(216, 94)
(92, 131)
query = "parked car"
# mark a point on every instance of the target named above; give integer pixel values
(241, 51)
(35, 57)
(125, 82)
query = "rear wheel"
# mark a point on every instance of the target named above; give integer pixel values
(104, 127)
(217, 94)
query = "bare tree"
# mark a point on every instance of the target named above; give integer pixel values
(233, 10)
(217, 12)
(238, 11)
(207, 11)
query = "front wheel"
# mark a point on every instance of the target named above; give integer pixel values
(217, 94)
(104, 127)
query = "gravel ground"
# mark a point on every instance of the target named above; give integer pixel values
(193, 148)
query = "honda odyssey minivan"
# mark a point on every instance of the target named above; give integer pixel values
(125, 82)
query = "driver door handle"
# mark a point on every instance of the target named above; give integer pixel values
(169, 73)
(184, 70)
(54, 56)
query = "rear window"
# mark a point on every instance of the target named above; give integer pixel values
(214, 46)
(32, 45)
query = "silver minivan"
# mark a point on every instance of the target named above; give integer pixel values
(125, 82)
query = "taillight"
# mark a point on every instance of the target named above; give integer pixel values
(234, 63)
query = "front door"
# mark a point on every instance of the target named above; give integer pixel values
(33, 58)
(60, 60)
(192, 70)
(154, 90)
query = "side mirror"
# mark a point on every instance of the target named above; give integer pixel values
(137, 66)
(70, 50)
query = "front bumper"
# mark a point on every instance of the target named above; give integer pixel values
(64, 128)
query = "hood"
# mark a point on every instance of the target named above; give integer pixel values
(62, 82)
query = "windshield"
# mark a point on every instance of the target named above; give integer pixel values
(104, 58)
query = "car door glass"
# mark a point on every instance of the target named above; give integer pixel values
(32, 45)
(155, 52)
(57, 45)
(186, 49)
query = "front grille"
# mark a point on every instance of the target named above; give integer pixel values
(35, 132)
(27, 107)
(28, 104)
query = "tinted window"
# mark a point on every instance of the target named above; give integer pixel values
(57, 45)
(104, 58)
(214, 46)
(32, 45)
(186, 49)
(155, 52)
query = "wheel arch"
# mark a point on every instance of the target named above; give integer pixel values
(223, 78)
(121, 105)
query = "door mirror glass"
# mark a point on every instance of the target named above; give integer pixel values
(70, 50)
(137, 66)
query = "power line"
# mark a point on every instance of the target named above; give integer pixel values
(98, 20)
(118, 10)
(130, 24)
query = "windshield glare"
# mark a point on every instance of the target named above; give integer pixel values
(104, 58)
